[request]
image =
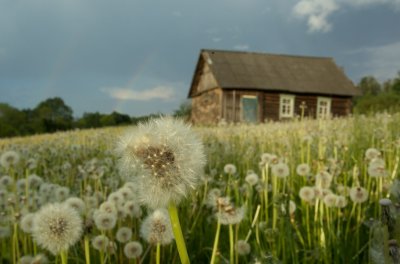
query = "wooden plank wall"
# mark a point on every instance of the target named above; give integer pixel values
(231, 105)
(206, 107)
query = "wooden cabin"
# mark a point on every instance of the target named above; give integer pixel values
(235, 86)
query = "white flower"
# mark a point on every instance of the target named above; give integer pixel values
(156, 228)
(242, 247)
(358, 194)
(230, 169)
(251, 179)
(372, 153)
(323, 180)
(307, 194)
(280, 170)
(303, 169)
(164, 159)
(133, 249)
(124, 234)
(9, 158)
(56, 227)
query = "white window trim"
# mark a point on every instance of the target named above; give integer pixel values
(329, 106)
(291, 113)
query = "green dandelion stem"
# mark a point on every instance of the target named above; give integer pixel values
(215, 247)
(64, 257)
(231, 244)
(87, 250)
(176, 227)
(158, 253)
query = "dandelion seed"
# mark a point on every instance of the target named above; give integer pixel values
(230, 169)
(77, 203)
(9, 159)
(341, 201)
(267, 158)
(133, 249)
(34, 181)
(25, 259)
(323, 179)
(164, 159)
(242, 247)
(100, 242)
(124, 234)
(6, 181)
(372, 153)
(56, 227)
(358, 194)
(104, 220)
(27, 222)
(330, 200)
(252, 179)
(303, 169)
(61, 193)
(307, 194)
(109, 207)
(156, 228)
(227, 214)
(376, 168)
(280, 170)
(132, 209)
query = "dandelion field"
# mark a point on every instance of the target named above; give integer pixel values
(306, 191)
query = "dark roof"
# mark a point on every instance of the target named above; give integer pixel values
(261, 71)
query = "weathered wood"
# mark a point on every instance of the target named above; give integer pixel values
(206, 108)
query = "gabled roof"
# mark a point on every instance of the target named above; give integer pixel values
(261, 71)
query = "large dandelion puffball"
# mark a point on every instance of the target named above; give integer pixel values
(56, 227)
(164, 158)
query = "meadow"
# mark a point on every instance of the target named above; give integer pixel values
(304, 191)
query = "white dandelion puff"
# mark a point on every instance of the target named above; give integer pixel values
(124, 234)
(280, 170)
(358, 194)
(133, 249)
(230, 169)
(56, 227)
(164, 158)
(303, 169)
(156, 228)
(9, 159)
(242, 247)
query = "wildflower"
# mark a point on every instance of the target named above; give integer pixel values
(133, 249)
(227, 214)
(267, 158)
(132, 209)
(40, 259)
(108, 207)
(104, 220)
(358, 194)
(230, 169)
(27, 259)
(330, 200)
(9, 159)
(323, 179)
(77, 203)
(126, 193)
(252, 179)
(376, 168)
(6, 181)
(56, 227)
(100, 242)
(212, 197)
(27, 222)
(242, 247)
(307, 194)
(372, 153)
(343, 190)
(34, 181)
(164, 159)
(303, 169)
(61, 193)
(341, 201)
(156, 228)
(124, 234)
(280, 170)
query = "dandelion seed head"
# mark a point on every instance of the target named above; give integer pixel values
(9, 159)
(242, 247)
(280, 170)
(100, 242)
(358, 194)
(372, 153)
(27, 259)
(303, 169)
(341, 201)
(229, 215)
(27, 222)
(156, 228)
(56, 227)
(323, 179)
(330, 200)
(104, 220)
(162, 157)
(307, 194)
(124, 234)
(252, 179)
(132, 209)
(77, 203)
(6, 181)
(133, 249)
(230, 169)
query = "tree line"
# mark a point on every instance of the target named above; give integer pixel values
(378, 97)
(53, 115)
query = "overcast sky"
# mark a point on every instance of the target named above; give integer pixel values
(138, 57)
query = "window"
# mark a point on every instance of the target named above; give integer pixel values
(323, 107)
(286, 106)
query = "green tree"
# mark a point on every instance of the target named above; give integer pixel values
(12, 121)
(53, 114)
(184, 110)
(369, 86)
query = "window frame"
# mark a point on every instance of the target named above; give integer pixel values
(328, 113)
(291, 99)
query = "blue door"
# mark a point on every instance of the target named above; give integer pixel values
(249, 109)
